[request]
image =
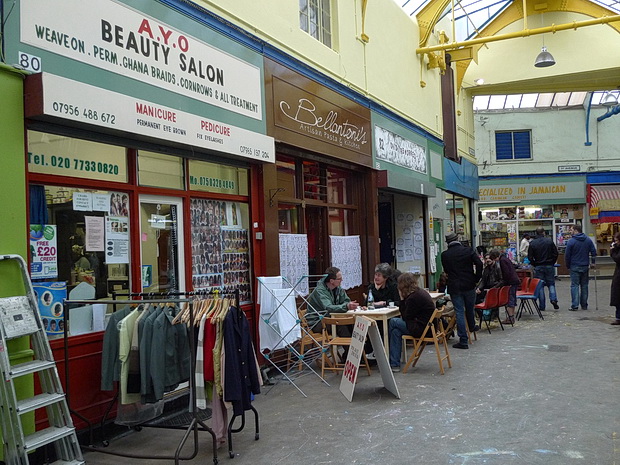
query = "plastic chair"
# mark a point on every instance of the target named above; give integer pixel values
(531, 299)
(504, 297)
(331, 343)
(492, 304)
(433, 332)
(523, 287)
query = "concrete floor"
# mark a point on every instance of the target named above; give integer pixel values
(543, 392)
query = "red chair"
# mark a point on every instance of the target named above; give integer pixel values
(523, 287)
(504, 297)
(531, 298)
(491, 303)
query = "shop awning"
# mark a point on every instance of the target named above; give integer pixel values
(604, 200)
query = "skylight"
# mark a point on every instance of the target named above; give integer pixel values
(541, 101)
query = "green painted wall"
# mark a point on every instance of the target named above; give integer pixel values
(13, 232)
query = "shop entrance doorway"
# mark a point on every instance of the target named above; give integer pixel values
(161, 244)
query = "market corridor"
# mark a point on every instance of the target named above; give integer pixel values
(543, 392)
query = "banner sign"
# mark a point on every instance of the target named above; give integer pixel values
(125, 41)
(84, 103)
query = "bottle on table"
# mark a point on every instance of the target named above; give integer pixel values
(371, 301)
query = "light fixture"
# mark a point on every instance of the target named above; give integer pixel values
(544, 59)
(479, 81)
(609, 100)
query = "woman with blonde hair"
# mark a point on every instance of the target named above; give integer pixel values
(416, 309)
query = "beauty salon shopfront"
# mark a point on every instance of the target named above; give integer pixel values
(508, 209)
(142, 160)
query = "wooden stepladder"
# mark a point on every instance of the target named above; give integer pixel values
(19, 316)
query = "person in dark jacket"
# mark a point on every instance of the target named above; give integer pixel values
(615, 282)
(509, 278)
(416, 309)
(542, 255)
(384, 289)
(459, 262)
(491, 276)
(578, 252)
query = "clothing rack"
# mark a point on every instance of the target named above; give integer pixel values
(199, 293)
(195, 422)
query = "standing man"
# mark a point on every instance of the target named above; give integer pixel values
(524, 246)
(542, 255)
(327, 298)
(459, 262)
(578, 252)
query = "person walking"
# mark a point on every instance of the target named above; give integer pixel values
(459, 262)
(615, 282)
(543, 254)
(578, 252)
(509, 278)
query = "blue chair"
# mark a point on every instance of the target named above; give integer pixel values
(529, 300)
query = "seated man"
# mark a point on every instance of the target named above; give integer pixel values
(491, 277)
(416, 309)
(327, 298)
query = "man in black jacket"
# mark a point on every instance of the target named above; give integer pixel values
(459, 262)
(542, 255)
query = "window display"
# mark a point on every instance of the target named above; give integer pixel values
(220, 247)
(80, 237)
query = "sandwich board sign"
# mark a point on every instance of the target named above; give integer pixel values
(366, 327)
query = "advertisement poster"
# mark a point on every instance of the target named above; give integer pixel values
(95, 240)
(49, 297)
(43, 251)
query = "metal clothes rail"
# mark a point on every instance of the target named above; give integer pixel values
(196, 423)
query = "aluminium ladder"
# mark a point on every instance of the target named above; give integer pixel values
(19, 316)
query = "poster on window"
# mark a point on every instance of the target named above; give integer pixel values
(220, 248)
(49, 297)
(43, 251)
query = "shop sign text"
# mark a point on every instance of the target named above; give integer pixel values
(127, 42)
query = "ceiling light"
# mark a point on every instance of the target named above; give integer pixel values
(609, 100)
(479, 81)
(544, 59)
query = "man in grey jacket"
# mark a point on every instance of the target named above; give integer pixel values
(327, 298)
(578, 252)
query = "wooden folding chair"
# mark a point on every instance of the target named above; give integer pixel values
(331, 343)
(433, 332)
(310, 343)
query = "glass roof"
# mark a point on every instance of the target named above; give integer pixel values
(539, 101)
(473, 15)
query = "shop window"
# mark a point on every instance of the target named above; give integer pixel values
(220, 246)
(340, 222)
(315, 182)
(513, 145)
(78, 237)
(315, 19)
(288, 219)
(157, 170)
(338, 186)
(286, 176)
(52, 154)
(220, 179)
